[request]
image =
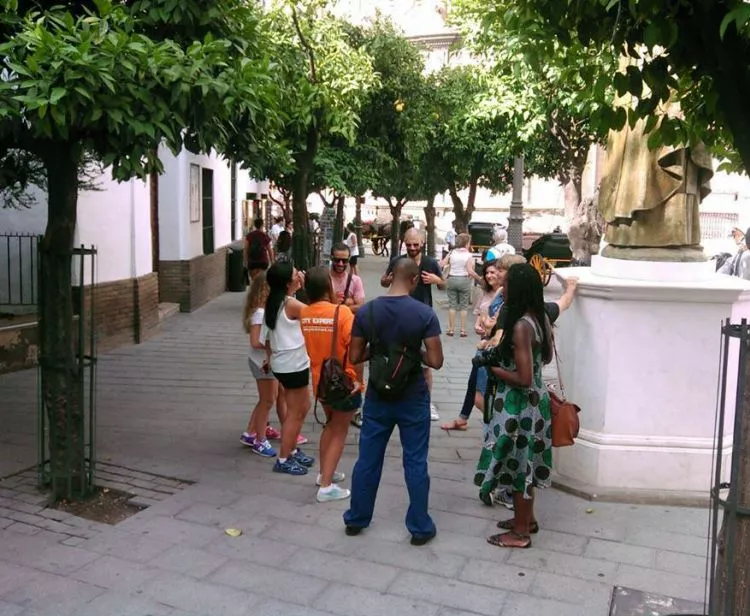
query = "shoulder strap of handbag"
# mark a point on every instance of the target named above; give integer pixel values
(348, 284)
(334, 336)
(557, 364)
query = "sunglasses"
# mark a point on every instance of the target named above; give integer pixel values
(412, 245)
(340, 260)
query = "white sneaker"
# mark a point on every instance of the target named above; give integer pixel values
(434, 415)
(338, 477)
(333, 493)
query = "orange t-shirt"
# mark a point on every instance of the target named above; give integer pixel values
(317, 328)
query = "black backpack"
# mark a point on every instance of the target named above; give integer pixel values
(393, 368)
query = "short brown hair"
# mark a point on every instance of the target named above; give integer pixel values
(507, 261)
(463, 240)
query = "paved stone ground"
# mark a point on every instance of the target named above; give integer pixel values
(174, 407)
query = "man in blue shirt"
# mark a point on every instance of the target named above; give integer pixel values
(429, 274)
(401, 320)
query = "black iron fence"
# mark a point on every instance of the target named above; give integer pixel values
(18, 269)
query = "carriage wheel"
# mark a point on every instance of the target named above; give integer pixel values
(377, 246)
(543, 268)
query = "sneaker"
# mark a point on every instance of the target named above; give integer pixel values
(303, 459)
(337, 478)
(290, 467)
(272, 434)
(357, 420)
(301, 439)
(333, 493)
(263, 448)
(247, 440)
(434, 416)
(504, 498)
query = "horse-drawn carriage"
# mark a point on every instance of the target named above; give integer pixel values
(379, 234)
(547, 252)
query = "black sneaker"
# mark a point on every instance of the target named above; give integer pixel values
(421, 540)
(352, 531)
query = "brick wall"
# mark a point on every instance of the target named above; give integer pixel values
(125, 311)
(193, 283)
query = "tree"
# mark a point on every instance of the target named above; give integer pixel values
(324, 82)
(393, 131)
(112, 81)
(692, 53)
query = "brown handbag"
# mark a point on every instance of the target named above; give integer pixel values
(565, 422)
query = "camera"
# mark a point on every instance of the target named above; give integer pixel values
(486, 357)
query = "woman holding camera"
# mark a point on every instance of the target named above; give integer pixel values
(517, 450)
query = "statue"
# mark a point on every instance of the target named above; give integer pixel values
(585, 231)
(649, 198)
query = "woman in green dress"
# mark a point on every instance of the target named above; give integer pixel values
(517, 450)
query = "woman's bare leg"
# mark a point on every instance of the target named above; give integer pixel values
(298, 404)
(332, 443)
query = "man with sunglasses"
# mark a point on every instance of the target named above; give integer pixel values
(349, 290)
(430, 274)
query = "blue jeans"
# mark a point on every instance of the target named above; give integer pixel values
(379, 418)
(471, 389)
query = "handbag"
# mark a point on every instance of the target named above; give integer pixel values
(334, 384)
(565, 422)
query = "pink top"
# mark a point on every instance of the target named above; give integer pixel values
(356, 288)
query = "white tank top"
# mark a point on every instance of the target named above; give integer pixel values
(288, 353)
(458, 260)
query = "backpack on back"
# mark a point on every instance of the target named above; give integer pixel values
(255, 249)
(393, 367)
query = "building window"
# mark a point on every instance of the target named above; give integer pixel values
(207, 193)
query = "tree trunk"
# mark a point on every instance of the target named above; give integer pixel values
(429, 214)
(62, 389)
(737, 590)
(572, 191)
(338, 225)
(395, 229)
(358, 201)
(462, 215)
(301, 245)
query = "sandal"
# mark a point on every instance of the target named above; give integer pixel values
(449, 333)
(508, 525)
(500, 540)
(464, 334)
(456, 424)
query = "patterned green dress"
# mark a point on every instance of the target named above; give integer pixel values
(517, 450)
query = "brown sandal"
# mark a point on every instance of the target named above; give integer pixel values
(508, 525)
(464, 334)
(499, 540)
(449, 333)
(455, 425)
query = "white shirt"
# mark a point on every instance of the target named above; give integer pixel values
(500, 250)
(351, 241)
(288, 353)
(458, 259)
(258, 356)
(276, 231)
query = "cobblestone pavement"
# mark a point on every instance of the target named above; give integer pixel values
(174, 407)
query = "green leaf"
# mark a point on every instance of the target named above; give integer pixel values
(57, 94)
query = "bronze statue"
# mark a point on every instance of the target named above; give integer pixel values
(649, 198)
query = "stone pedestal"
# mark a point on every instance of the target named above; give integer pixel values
(639, 352)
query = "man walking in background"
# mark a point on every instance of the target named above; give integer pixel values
(390, 331)
(257, 253)
(429, 274)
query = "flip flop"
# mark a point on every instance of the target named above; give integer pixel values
(464, 334)
(508, 525)
(449, 333)
(455, 425)
(499, 540)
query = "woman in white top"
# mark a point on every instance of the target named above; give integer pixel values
(351, 241)
(460, 275)
(289, 362)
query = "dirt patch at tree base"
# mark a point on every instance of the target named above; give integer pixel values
(105, 505)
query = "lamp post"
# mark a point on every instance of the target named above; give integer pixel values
(515, 220)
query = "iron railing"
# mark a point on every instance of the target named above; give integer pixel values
(729, 595)
(69, 471)
(18, 269)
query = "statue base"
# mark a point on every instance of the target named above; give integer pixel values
(639, 352)
(676, 254)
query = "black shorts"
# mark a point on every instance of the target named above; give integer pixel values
(353, 260)
(257, 265)
(293, 380)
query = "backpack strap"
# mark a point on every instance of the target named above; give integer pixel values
(348, 284)
(374, 342)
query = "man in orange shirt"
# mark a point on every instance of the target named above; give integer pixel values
(318, 321)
